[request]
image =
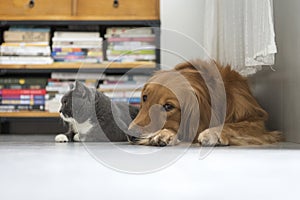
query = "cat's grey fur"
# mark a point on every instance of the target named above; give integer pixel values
(93, 117)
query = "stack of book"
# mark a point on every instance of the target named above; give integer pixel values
(18, 94)
(55, 91)
(125, 89)
(61, 82)
(26, 46)
(77, 47)
(126, 44)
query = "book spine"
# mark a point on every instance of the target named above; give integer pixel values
(90, 43)
(26, 60)
(129, 48)
(23, 97)
(24, 51)
(80, 53)
(21, 36)
(125, 99)
(69, 50)
(25, 44)
(23, 92)
(10, 108)
(66, 34)
(83, 39)
(128, 30)
(23, 102)
(23, 83)
(137, 52)
(128, 39)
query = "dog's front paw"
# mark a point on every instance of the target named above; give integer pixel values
(61, 138)
(163, 138)
(210, 137)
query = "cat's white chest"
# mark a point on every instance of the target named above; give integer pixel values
(83, 128)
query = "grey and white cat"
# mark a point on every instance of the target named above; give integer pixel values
(93, 117)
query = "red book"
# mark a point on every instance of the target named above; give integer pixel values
(13, 92)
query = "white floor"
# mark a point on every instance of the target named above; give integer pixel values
(34, 167)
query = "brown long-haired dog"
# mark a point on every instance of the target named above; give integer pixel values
(200, 101)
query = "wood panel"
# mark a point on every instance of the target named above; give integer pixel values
(28, 114)
(126, 9)
(79, 10)
(21, 8)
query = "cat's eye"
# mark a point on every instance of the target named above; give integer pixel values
(145, 98)
(168, 107)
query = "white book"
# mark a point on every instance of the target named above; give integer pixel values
(75, 43)
(25, 60)
(130, 48)
(130, 36)
(59, 89)
(23, 44)
(129, 30)
(76, 34)
(125, 93)
(96, 46)
(130, 58)
(76, 76)
(121, 86)
(59, 39)
(25, 51)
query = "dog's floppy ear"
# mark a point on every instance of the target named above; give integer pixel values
(190, 118)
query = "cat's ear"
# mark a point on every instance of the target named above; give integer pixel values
(80, 88)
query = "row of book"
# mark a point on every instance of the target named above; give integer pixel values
(26, 46)
(83, 47)
(22, 94)
(124, 89)
(127, 44)
(32, 46)
(22, 99)
(44, 94)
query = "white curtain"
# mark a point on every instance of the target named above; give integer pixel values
(239, 33)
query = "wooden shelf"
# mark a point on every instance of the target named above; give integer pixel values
(108, 65)
(76, 18)
(31, 114)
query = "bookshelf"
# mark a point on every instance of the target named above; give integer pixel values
(28, 114)
(105, 67)
(88, 13)
(109, 65)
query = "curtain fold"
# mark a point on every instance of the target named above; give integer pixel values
(239, 33)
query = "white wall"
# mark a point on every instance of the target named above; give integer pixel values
(287, 26)
(181, 30)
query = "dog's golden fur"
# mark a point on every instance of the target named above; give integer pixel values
(244, 119)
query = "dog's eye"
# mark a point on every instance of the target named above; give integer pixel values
(168, 107)
(145, 98)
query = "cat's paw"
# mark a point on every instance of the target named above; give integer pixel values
(61, 138)
(76, 138)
